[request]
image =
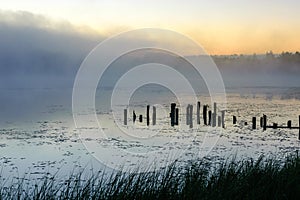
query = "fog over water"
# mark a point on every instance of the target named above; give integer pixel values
(39, 59)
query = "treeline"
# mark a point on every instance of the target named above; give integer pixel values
(287, 62)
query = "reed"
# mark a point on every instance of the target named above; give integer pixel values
(264, 178)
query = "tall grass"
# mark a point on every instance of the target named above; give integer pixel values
(246, 179)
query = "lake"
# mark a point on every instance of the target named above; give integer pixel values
(38, 135)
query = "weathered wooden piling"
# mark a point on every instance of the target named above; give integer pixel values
(205, 114)
(198, 112)
(148, 115)
(289, 124)
(253, 123)
(191, 116)
(154, 116)
(214, 120)
(134, 116)
(299, 129)
(125, 116)
(177, 116)
(188, 114)
(172, 114)
(209, 117)
(264, 122)
(223, 118)
(234, 119)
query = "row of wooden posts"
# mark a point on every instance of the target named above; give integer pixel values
(264, 125)
(209, 118)
(141, 116)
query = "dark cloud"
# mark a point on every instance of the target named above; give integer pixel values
(33, 47)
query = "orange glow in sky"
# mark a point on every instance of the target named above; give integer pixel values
(221, 27)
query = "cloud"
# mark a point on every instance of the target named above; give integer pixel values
(33, 46)
(36, 51)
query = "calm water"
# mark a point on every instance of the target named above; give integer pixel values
(38, 135)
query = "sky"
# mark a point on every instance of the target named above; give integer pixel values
(221, 27)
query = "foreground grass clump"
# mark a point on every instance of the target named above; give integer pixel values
(247, 179)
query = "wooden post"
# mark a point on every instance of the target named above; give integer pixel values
(198, 112)
(214, 121)
(125, 116)
(253, 123)
(219, 121)
(264, 122)
(134, 116)
(234, 119)
(289, 124)
(177, 116)
(205, 114)
(188, 114)
(191, 116)
(172, 115)
(275, 125)
(223, 118)
(154, 115)
(209, 118)
(299, 129)
(141, 118)
(261, 122)
(148, 115)
(245, 123)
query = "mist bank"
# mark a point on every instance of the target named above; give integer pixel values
(278, 70)
(38, 52)
(39, 59)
